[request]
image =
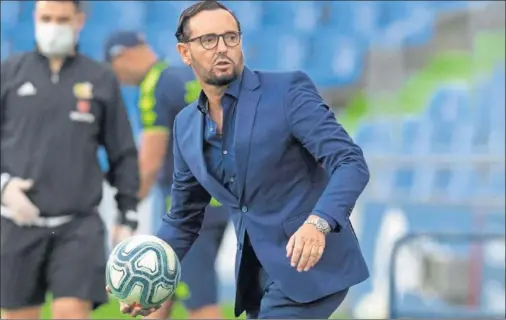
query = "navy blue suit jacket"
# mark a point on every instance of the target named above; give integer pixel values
(292, 158)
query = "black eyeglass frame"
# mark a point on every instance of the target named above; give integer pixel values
(223, 35)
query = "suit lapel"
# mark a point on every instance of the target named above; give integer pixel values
(198, 142)
(245, 119)
(201, 173)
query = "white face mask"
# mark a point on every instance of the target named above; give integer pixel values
(54, 40)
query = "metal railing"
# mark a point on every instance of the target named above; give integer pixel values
(409, 238)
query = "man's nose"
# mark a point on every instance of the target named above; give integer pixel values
(221, 47)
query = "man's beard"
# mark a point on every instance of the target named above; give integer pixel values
(208, 76)
(220, 81)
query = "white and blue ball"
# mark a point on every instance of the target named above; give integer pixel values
(143, 270)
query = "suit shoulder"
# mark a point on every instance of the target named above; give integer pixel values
(188, 112)
(285, 77)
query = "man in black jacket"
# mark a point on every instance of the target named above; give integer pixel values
(57, 107)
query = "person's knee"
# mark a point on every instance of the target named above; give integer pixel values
(71, 308)
(21, 313)
(206, 312)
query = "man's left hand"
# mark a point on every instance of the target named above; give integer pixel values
(305, 247)
(125, 227)
(120, 233)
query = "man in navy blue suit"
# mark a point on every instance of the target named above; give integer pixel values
(268, 147)
(164, 91)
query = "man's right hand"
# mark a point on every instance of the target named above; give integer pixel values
(23, 211)
(133, 310)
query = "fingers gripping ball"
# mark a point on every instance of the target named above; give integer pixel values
(143, 270)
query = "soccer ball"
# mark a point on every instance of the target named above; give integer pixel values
(143, 270)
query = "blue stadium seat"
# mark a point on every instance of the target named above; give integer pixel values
(340, 15)
(26, 9)
(449, 113)
(481, 120)
(496, 145)
(335, 58)
(360, 19)
(25, 38)
(497, 97)
(376, 136)
(486, 181)
(291, 15)
(112, 15)
(165, 14)
(404, 180)
(249, 14)
(393, 11)
(10, 11)
(442, 182)
(460, 186)
(496, 183)
(164, 42)
(92, 40)
(414, 137)
(450, 138)
(451, 5)
(404, 23)
(274, 50)
(365, 19)
(489, 116)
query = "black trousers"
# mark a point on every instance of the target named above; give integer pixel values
(67, 261)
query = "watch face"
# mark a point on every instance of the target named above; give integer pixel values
(323, 225)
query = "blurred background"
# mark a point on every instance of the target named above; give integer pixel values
(420, 85)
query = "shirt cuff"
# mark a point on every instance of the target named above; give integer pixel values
(331, 221)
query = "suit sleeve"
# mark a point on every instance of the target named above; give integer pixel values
(182, 224)
(314, 125)
(117, 137)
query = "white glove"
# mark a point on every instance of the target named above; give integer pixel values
(14, 198)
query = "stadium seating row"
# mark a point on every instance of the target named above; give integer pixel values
(309, 35)
(455, 150)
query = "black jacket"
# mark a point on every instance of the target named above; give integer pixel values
(51, 126)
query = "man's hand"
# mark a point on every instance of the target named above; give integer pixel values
(305, 247)
(120, 233)
(23, 211)
(125, 227)
(133, 310)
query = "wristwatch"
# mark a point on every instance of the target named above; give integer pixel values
(321, 224)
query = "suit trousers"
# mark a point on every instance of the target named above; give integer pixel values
(264, 299)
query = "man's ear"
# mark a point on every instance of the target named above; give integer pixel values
(184, 52)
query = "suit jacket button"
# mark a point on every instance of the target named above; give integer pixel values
(244, 209)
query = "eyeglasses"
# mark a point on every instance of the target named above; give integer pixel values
(211, 40)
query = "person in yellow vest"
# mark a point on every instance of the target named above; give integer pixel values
(164, 91)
